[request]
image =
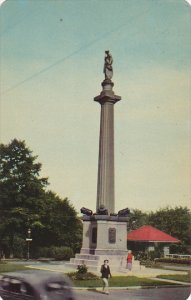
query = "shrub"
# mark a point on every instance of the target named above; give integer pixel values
(180, 248)
(186, 261)
(82, 269)
(148, 263)
(62, 253)
(86, 276)
(157, 253)
(147, 258)
(82, 274)
(19, 247)
(43, 252)
(58, 253)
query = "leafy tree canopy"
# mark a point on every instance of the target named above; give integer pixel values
(24, 203)
(137, 219)
(174, 221)
(19, 175)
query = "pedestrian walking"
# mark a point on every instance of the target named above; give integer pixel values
(129, 260)
(105, 274)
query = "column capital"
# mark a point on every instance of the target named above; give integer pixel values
(107, 94)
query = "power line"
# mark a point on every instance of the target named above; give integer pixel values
(73, 53)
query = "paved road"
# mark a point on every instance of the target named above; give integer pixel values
(139, 294)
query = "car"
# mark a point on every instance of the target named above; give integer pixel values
(35, 285)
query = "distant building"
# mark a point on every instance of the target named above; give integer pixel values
(148, 238)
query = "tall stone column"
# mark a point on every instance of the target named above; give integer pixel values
(106, 182)
(104, 236)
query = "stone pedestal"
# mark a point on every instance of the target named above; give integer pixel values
(104, 237)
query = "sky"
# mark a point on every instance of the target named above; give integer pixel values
(52, 54)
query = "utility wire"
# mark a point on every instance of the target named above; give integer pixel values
(74, 53)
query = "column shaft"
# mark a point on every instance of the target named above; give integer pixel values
(105, 184)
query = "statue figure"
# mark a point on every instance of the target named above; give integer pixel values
(108, 69)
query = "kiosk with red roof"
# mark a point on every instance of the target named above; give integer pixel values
(148, 238)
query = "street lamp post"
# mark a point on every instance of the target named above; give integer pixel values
(28, 240)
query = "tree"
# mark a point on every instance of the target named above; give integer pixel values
(174, 221)
(21, 190)
(59, 224)
(24, 203)
(137, 219)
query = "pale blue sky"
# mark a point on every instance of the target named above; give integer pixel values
(51, 69)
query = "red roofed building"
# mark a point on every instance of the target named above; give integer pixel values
(149, 237)
(150, 234)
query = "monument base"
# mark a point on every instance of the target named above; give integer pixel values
(104, 237)
(94, 262)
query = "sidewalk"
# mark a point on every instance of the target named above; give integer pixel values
(139, 271)
(148, 272)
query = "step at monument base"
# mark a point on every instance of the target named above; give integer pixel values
(117, 263)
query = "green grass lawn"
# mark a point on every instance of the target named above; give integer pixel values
(119, 281)
(116, 281)
(178, 277)
(9, 267)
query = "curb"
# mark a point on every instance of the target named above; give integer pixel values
(171, 281)
(132, 287)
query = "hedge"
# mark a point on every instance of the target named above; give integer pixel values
(57, 253)
(185, 261)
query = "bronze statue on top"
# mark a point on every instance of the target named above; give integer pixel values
(108, 69)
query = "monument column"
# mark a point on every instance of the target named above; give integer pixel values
(106, 182)
(104, 235)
